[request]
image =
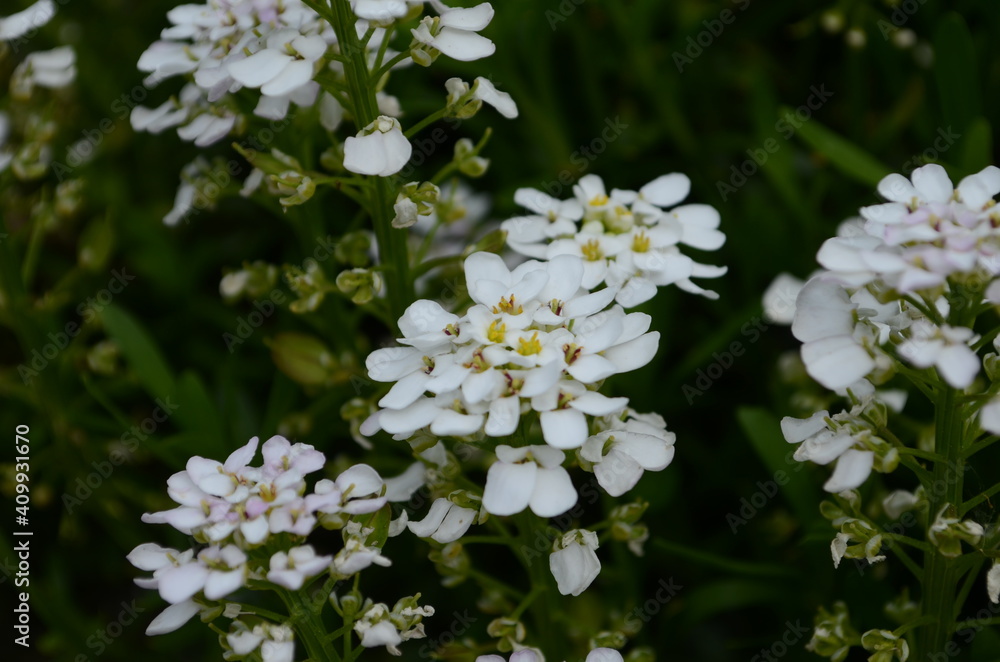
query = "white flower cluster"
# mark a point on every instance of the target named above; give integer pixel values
(883, 289)
(628, 240)
(535, 343)
(223, 46)
(53, 68)
(235, 508)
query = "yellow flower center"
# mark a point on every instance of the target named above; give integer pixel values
(599, 200)
(640, 243)
(497, 331)
(508, 306)
(529, 346)
(592, 250)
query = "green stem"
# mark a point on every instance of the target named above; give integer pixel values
(391, 243)
(309, 627)
(939, 581)
(975, 501)
(427, 121)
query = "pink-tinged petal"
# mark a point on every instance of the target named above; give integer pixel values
(173, 617)
(836, 362)
(666, 190)
(933, 183)
(564, 428)
(853, 468)
(179, 584)
(241, 457)
(509, 487)
(554, 493)
(618, 472)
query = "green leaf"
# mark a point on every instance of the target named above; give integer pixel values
(729, 595)
(955, 72)
(764, 431)
(847, 157)
(196, 412)
(140, 351)
(977, 146)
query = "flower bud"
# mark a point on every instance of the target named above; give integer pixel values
(948, 532)
(833, 635)
(886, 646)
(360, 284)
(304, 358)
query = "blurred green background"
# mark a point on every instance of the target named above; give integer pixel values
(694, 87)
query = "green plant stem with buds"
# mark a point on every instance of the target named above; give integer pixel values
(391, 243)
(939, 579)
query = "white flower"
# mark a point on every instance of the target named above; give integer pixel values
(946, 348)
(27, 20)
(779, 298)
(574, 564)
(824, 322)
(989, 416)
(482, 90)
(179, 576)
(173, 617)
(524, 655)
(993, 583)
(531, 476)
(620, 457)
(291, 569)
(822, 444)
(284, 65)
(378, 149)
(445, 522)
(383, 12)
(454, 32)
(52, 69)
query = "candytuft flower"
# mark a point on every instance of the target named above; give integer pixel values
(379, 149)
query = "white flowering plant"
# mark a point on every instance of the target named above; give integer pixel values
(350, 329)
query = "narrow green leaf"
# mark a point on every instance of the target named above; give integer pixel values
(977, 146)
(847, 157)
(196, 410)
(955, 72)
(140, 350)
(764, 431)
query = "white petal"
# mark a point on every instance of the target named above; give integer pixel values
(933, 183)
(260, 67)
(635, 353)
(564, 428)
(796, 430)
(473, 18)
(429, 524)
(618, 473)
(451, 423)
(853, 468)
(958, 365)
(173, 617)
(604, 655)
(463, 46)
(993, 583)
(455, 524)
(179, 584)
(989, 419)
(554, 493)
(836, 362)
(359, 480)
(505, 413)
(897, 188)
(666, 190)
(509, 487)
